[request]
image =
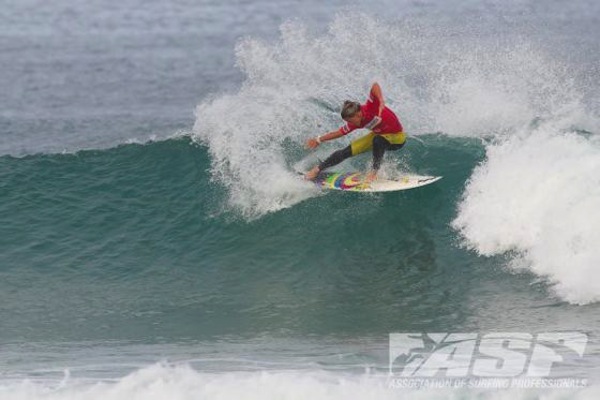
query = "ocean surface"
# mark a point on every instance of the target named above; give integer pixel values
(156, 242)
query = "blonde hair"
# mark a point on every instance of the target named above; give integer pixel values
(349, 109)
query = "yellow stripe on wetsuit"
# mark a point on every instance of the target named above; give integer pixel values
(365, 143)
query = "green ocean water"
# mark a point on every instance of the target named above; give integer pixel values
(136, 241)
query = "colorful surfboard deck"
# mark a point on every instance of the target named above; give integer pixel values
(356, 182)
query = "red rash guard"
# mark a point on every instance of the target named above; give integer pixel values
(389, 121)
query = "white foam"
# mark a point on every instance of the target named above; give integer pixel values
(538, 194)
(161, 381)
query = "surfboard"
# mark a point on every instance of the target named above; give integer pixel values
(355, 182)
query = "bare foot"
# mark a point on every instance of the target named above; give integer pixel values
(371, 176)
(312, 174)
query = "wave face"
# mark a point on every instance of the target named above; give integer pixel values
(142, 227)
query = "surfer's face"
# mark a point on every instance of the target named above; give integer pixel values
(355, 119)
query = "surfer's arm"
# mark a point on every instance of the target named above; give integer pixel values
(331, 135)
(376, 96)
(314, 142)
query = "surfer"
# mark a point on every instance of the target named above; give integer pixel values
(386, 133)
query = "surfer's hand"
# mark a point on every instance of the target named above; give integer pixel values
(312, 143)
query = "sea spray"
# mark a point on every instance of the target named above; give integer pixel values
(436, 78)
